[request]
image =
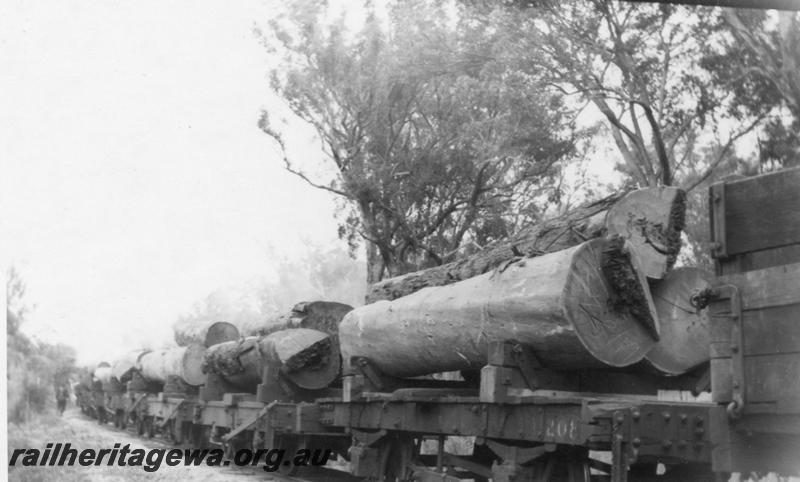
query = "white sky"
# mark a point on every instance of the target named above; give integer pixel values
(134, 178)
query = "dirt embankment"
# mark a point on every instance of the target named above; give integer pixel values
(83, 433)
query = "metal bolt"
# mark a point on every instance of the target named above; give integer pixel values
(637, 442)
(682, 444)
(666, 444)
(698, 420)
(735, 348)
(636, 415)
(699, 431)
(666, 416)
(735, 384)
(684, 417)
(620, 417)
(473, 409)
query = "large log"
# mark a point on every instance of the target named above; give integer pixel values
(322, 316)
(652, 220)
(657, 211)
(308, 358)
(584, 307)
(189, 332)
(684, 329)
(183, 361)
(123, 367)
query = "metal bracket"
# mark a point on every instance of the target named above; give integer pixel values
(738, 392)
(171, 413)
(716, 204)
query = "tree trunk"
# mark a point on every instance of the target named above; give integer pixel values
(322, 316)
(684, 329)
(183, 361)
(308, 358)
(658, 212)
(122, 368)
(652, 219)
(208, 333)
(587, 306)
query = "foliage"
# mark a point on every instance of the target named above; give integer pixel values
(35, 369)
(434, 141)
(757, 57)
(322, 273)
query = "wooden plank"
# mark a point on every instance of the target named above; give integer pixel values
(766, 258)
(771, 378)
(770, 330)
(767, 287)
(740, 451)
(762, 212)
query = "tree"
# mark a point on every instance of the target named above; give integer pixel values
(757, 57)
(432, 139)
(35, 369)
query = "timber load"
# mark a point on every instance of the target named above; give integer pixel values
(123, 367)
(191, 332)
(307, 358)
(684, 328)
(322, 316)
(651, 219)
(183, 362)
(588, 306)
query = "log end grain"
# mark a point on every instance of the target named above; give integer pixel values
(607, 299)
(220, 332)
(309, 358)
(685, 340)
(652, 219)
(192, 365)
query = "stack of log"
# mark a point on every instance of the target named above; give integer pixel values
(307, 358)
(592, 288)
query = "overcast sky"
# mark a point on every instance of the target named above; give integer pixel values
(135, 180)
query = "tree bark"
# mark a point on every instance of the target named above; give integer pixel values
(652, 218)
(183, 361)
(587, 306)
(684, 329)
(206, 334)
(308, 358)
(322, 316)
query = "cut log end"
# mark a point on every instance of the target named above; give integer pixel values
(220, 332)
(629, 291)
(609, 303)
(309, 358)
(192, 363)
(685, 341)
(652, 220)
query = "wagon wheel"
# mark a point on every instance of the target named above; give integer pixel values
(149, 426)
(570, 465)
(140, 427)
(290, 445)
(395, 457)
(175, 432)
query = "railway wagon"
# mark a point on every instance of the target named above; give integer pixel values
(527, 421)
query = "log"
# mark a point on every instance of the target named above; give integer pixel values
(123, 367)
(583, 307)
(685, 339)
(183, 361)
(102, 373)
(645, 209)
(322, 316)
(652, 220)
(189, 332)
(308, 358)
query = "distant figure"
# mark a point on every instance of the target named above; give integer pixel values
(62, 395)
